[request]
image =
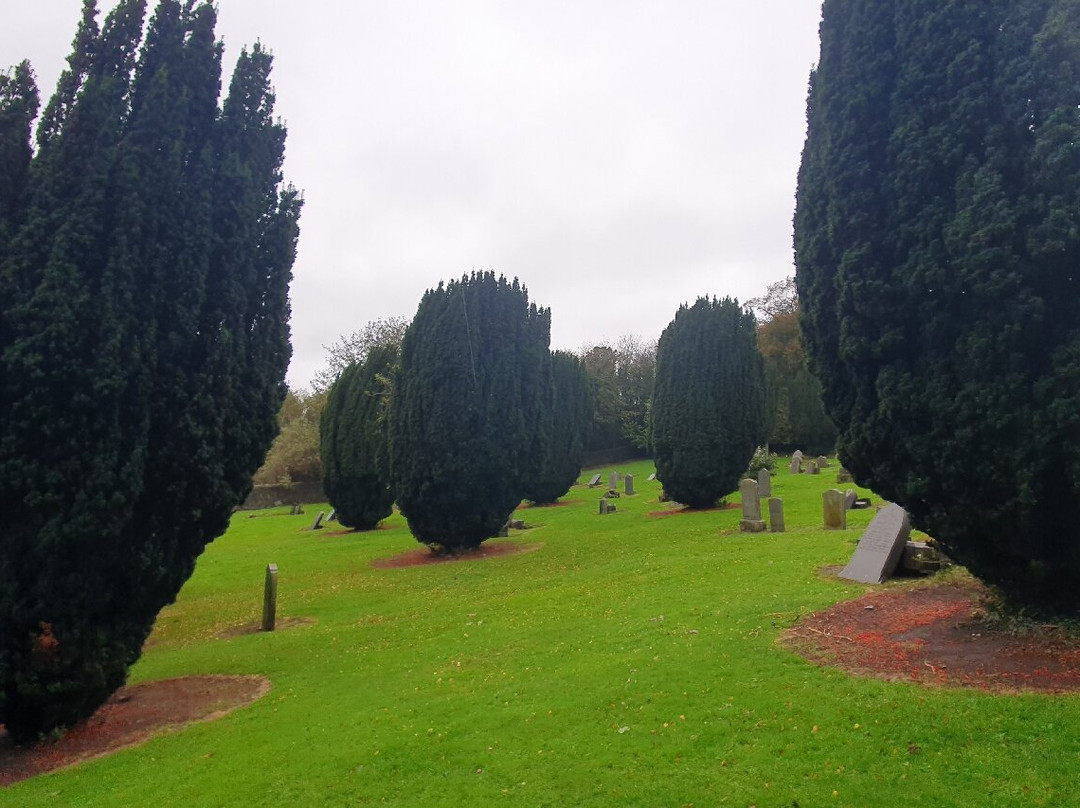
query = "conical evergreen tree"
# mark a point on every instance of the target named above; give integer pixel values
(571, 411)
(353, 440)
(937, 240)
(467, 403)
(708, 401)
(145, 345)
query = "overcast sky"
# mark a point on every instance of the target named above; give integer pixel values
(621, 157)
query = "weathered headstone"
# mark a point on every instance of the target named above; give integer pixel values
(764, 483)
(843, 476)
(823, 462)
(796, 463)
(606, 506)
(317, 524)
(880, 548)
(297, 510)
(333, 516)
(269, 616)
(849, 499)
(813, 469)
(835, 513)
(651, 477)
(516, 524)
(613, 481)
(629, 483)
(595, 481)
(751, 521)
(776, 515)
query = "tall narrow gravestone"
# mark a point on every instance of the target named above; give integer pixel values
(613, 480)
(880, 548)
(628, 480)
(751, 508)
(764, 483)
(776, 515)
(835, 512)
(269, 616)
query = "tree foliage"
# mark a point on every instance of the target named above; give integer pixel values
(144, 333)
(354, 437)
(354, 348)
(621, 380)
(467, 409)
(294, 454)
(937, 240)
(707, 404)
(570, 408)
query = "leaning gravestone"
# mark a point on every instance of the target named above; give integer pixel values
(651, 477)
(764, 483)
(317, 524)
(776, 515)
(880, 548)
(751, 508)
(333, 516)
(832, 502)
(628, 480)
(595, 481)
(849, 499)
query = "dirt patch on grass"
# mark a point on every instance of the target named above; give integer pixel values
(937, 634)
(133, 715)
(424, 556)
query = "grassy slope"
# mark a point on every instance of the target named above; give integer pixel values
(630, 661)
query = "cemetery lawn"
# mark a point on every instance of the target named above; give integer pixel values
(625, 659)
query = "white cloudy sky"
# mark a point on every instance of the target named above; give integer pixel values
(619, 156)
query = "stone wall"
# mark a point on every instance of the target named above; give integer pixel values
(269, 496)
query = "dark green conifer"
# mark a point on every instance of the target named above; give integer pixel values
(708, 404)
(145, 331)
(937, 241)
(571, 413)
(467, 402)
(353, 439)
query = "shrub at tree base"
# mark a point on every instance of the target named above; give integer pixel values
(938, 241)
(708, 405)
(143, 343)
(353, 438)
(467, 408)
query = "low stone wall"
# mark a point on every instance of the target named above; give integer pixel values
(269, 496)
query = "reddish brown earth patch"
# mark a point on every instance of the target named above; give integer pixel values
(424, 556)
(937, 634)
(130, 717)
(685, 509)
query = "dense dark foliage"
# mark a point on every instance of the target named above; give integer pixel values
(353, 437)
(571, 411)
(621, 382)
(144, 337)
(707, 403)
(938, 249)
(468, 409)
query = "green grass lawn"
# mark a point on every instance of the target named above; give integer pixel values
(631, 660)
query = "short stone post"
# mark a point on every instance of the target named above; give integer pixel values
(764, 483)
(751, 521)
(269, 617)
(776, 515)
(629, 482)
(833, 506)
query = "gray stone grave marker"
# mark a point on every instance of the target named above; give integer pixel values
(613, 481)
(606, 506)
(333, 516)
(832, 502)
(776, 515)
(823, 462)
(651, 477)
(849, 499)
(843, 476)
(628, 480)
(880, 548)
(764, 483)
(269, 616)
(796, 463)
(751, 521)
(595, 481)
(813, 468)
(317, 524)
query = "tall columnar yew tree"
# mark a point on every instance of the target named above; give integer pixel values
(467, 408)
(353, 437)
(571, 415)
(144, 328)
(708, 401)
(938, 249)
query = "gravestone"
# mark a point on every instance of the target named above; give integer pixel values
(504, 531)
(764, 483)
(297, 510)
(796, 463)
(651, 477)
(843, 476)
(612, 494)
(823, 462)
(776, 515)
(629, 482)
(516, 524)
(317, 524)
(849, 499)
(751, 521)
(606, 506)
(813, 468)
(880, 548)
(613, 481)
(835, 513)
(333, 516)
(269, 616)
(595, 481)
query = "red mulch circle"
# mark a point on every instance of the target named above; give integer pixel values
(130, 717)
(424, 556)
(686, 509)
(937, 634)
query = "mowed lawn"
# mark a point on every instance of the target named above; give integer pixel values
(630, 660)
